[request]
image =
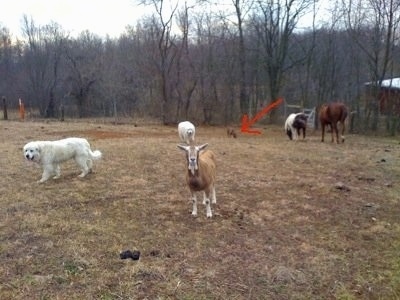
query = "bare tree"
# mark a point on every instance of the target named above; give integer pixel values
(274, 22)
(42, 59)
(373, 26)
(166, 47)
(241, 8)
(84, 64)
(211, 64)
(6, 62)
(186, 78)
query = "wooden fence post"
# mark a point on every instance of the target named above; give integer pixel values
(5, 108)
(21, 109)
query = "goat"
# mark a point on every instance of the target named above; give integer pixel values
(186, 132)
(331, 114)
(200, 175)
(294, 123)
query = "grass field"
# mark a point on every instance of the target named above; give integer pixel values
(293, 220)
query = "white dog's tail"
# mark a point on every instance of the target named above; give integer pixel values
(95, 154)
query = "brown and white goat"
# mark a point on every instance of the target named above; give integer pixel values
(200, 175)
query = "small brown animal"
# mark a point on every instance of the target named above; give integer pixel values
(231, 132)
(331, 114)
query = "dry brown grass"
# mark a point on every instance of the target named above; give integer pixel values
(293, 220)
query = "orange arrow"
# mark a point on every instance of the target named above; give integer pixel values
(245, 119)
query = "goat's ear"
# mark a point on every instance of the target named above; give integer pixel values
(182, 147)
(203, 146)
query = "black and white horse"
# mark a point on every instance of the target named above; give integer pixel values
(294, 123)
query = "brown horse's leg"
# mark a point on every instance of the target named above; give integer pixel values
(323, 132)
(336, 132)
(343, 128)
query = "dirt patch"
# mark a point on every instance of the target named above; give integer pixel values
(96, 134)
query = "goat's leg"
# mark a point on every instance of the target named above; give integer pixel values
(213, 196)
(208, 206)
(194, 201)
(204, 197)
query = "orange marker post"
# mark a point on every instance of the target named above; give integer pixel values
(21, 109)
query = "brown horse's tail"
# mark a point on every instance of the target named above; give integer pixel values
(344, 113)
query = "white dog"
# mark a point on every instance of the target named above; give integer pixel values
(50, 154)
(186, 132)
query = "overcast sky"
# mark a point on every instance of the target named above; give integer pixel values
(100, 17)
(97, 16)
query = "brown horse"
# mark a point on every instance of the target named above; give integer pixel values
(331, 114)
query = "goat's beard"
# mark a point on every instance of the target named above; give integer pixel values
(192, 167)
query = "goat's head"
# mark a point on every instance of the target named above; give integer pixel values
(192, 155)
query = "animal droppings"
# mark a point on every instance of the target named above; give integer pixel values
(130, 254)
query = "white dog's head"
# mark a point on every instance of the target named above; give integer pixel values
(32, 151)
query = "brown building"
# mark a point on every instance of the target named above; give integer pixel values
(388, 96)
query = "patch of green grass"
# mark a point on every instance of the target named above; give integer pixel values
(344, 294)
(72, 268)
